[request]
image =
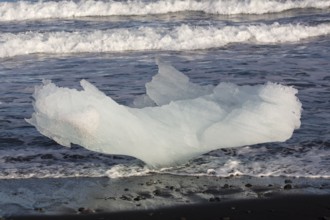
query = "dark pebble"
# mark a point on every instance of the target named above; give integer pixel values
(226, 186)
(126, 198)
(138, 198)
(85, 211)
(288, 186)
(126, 189)
(157, 192)
(38, 209)
(211, 200)
(169, 187)
(162, 193)
(248, 185)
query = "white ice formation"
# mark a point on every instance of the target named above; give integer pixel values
(188, 120)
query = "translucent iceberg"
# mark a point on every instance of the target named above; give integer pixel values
(186, 120)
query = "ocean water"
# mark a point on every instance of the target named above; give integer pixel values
(114, 44)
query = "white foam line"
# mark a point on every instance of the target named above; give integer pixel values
(24, 10)
(183, 37)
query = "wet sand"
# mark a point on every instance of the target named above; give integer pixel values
(166, 197)
(281, 207)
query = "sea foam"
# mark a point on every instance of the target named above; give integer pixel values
(183, 37)
(26, 10)
(188, 120)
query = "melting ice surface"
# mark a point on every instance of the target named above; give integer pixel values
(175, 121)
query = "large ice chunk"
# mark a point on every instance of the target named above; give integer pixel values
(189, 119)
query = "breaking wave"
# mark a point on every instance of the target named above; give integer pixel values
(184, 37)
(24, 10)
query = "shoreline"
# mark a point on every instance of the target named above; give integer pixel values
(165, 196)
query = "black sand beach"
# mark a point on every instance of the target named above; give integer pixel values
(280, 207)
(167, 197)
